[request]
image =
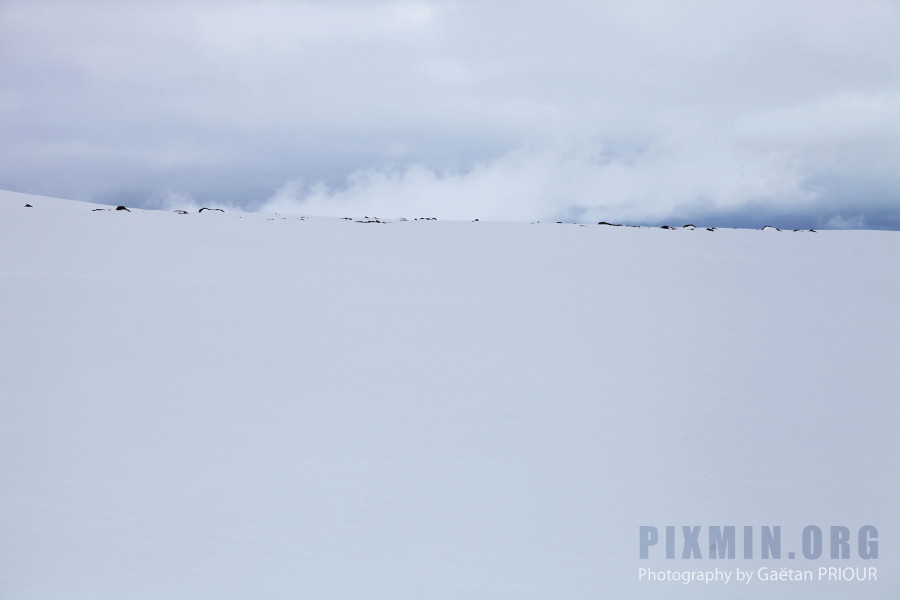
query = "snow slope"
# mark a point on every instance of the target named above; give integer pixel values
(226, 405)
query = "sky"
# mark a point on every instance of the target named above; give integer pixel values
(716, 113)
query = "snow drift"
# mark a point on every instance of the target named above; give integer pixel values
(229, 405)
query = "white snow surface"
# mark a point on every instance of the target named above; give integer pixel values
(251, 406)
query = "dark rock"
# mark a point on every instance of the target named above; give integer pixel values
(610, 224)
(28, 206)
(710, 228)
(665, 227)
(181, 212)
(122, 208)
(211, 209)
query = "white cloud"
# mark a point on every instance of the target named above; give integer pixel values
(839, 222)
(586, 182)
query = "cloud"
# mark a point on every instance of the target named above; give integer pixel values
(839, 222)
(587, 181)
(508, 110)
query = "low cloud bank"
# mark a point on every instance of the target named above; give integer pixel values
(715, 181)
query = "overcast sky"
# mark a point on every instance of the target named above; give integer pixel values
(728, 113)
